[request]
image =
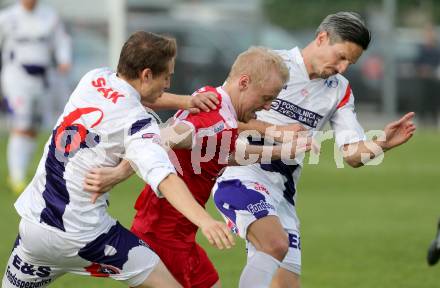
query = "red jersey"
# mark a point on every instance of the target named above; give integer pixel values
(214, 138)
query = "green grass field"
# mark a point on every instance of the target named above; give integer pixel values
(367, 227)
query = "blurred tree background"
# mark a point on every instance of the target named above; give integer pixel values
(305, 14)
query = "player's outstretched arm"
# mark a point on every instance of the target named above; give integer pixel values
(280, 133)
(177, 135)
(396, 134)
(267, 153)
(177, 193)
(205, 101)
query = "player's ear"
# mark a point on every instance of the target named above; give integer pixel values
(322, 38)
(146, 75)
(244, 82)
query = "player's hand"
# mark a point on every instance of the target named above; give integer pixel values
(399, 132)
(64, 68)
(300, 144)
(205, 101)
(100, 180)
(285, 133)
(217, 234)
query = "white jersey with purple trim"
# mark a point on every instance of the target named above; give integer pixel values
(311, 103)
(31, 40)
(102, 123)
(33, 37)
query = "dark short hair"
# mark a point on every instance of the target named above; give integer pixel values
(146, 50)
(346, 26)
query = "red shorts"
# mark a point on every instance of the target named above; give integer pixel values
(191, 267)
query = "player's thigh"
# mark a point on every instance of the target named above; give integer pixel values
(285, 279)
(267, 235)
(160, 277)
(26, 106)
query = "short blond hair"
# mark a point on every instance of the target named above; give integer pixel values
(258, 63)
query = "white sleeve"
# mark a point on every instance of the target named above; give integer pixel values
(345, 124)
(147, 156)
(62, 43)
(3, 18)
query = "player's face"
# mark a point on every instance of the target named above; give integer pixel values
(29, 4)
(331, 59)
(258, 97)
(154, 86)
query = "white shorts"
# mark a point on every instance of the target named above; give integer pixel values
(25, 95)
(40, 256)
(242, 202)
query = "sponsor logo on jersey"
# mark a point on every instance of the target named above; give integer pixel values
(149, 135)
(106, 92)
(102, 270)
(154, 137)
(297, 113)
(12, 278)
(143, 243)
(220, 126)
(29, 269)
(232, 227)
(260, 188)
(260, 206)
(211, 130)
(294, 241)
(331, 82)
(305, 92)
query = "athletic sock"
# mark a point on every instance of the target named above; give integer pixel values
(20, 152)
(259, 270)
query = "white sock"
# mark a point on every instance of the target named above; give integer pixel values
(20, 153)
(259, 270)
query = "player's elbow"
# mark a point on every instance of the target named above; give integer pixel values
(355, 163)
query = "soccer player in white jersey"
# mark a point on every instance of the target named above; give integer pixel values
(434, 249)
(32, 35)
(259, 200)
(61, 230)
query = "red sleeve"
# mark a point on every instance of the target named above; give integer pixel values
(203, 120)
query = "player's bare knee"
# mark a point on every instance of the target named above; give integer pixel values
(276, 247)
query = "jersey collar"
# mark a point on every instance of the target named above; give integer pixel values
(227, 100)
(124, 85)
(299, 60)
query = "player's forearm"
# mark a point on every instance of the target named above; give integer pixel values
(358, 154)
(278, 133)
(254, 153)
(124, 171)
(256, 125)
(177, 136)
(177, 193)
(170, 101)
